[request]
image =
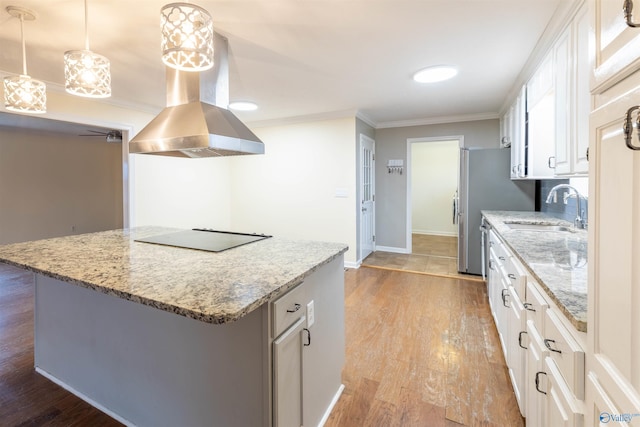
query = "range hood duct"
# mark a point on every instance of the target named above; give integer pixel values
(196, 122)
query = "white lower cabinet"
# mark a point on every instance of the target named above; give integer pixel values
(562, 408)
(544, 352)
(517, 351)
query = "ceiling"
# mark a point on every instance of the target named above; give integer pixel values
(299, 58)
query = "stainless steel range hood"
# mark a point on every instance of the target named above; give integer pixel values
(196, 122)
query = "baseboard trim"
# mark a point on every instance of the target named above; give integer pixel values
(392, 249)
(434, 233)
(351, 264)
(84, 397)
(327, 413)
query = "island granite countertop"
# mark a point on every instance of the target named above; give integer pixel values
(212, 287)
(557, 260)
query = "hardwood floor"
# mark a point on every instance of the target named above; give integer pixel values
(421, 351)
(26, 397)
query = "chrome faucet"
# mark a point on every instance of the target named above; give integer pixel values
(580, 220)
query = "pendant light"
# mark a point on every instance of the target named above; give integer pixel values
(86, 73)
(187, 37)
(22, 93)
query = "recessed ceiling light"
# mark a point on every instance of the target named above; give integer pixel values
(243, 106)
(435, 74)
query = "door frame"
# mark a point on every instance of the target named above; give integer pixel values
(361, 140)
(410, 142)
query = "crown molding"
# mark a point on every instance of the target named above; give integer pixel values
(438, 120)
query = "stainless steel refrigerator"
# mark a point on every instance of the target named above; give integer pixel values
(485, 184)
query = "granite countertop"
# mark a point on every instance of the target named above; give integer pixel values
(557, 260)
(212, 287)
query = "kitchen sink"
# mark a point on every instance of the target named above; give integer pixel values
(538, 227)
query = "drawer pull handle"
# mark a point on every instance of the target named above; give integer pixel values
(512, 276)
(505, 294)
(308, 343)
(520, 339)
(628, 128)
(296, 307)
(501, 258)
(528, 305)
(538, 382)
(627, 7)
(547, 344)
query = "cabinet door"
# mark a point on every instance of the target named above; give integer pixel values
(561, 407)
(582, 98)
(516, 342)
(614, 244)
(536, 381)
(287, 377)
(617, 46)
(541, 118)
(563, 80)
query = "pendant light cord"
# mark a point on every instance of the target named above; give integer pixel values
(24, 49)
(86, 26)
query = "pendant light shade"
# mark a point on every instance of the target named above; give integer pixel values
(187, 37)
(23, 94)
(86, 73)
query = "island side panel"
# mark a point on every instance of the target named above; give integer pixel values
(147, 366)
(324, 358)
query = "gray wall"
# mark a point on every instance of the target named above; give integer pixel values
(54, 185)
(391, 189)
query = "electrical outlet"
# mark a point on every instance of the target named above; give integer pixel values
(311, 314)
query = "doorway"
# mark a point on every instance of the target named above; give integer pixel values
(432, 183)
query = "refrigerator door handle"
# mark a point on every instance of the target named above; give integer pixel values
(455, 208)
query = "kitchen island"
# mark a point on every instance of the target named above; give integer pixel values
(158, 335)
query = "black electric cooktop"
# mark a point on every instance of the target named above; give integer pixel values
(204, 239)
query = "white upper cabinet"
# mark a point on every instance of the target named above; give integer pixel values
(541, 98)
(573, 101)
(616, 51)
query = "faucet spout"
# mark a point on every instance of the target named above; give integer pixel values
(579, 219)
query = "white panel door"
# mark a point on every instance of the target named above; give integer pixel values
(367, 196)
(614, 241)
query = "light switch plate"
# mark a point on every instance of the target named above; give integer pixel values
(311, 315)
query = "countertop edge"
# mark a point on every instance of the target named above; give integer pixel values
(580, 325)
(215, 319)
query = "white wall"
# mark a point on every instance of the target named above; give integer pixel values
(434, 179)
(290, 191)
(181, 192)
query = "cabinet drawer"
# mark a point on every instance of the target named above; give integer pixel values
(515, 276)
(566, 352)
(536, 306)
(287, 309)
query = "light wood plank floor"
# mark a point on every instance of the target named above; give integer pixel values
(421, 351)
